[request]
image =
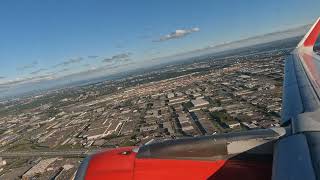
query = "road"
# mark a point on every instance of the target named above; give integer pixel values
(75, 153)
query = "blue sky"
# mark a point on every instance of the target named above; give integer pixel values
(41, 39)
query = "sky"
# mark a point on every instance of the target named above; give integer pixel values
(44, 40)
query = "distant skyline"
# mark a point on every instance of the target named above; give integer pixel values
(44, 40)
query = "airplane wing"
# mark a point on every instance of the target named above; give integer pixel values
(298, 155)
(288, 152)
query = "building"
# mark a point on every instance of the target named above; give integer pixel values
(250, 125)
(148, 128)
(39, 168)
(232, 124)
(214, 109)
(170, 95)
(2, 162)
(186, 125)
(199, 102)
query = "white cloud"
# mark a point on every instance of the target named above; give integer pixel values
(118, 58)
(179, 33)
(38, 71)
(28, 66)
(69, 62)
(23, 80)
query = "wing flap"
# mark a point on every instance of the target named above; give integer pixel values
(292, 159)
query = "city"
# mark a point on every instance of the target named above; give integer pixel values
(208, 95)
(140, 90)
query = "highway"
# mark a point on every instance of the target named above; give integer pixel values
(75, 153)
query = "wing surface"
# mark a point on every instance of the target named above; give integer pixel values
(297, 155)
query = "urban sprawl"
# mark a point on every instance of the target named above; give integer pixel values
(47, 135)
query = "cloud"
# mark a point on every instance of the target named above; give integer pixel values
(38, 71)
(18, 81)
(2, 77)
(28, 66)
(119, 46)
(104, 68)
(93, 57)
(93, 71)
(118, 58)
(179, 33)
(63, 70)
(4, 90)
(70, 61)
